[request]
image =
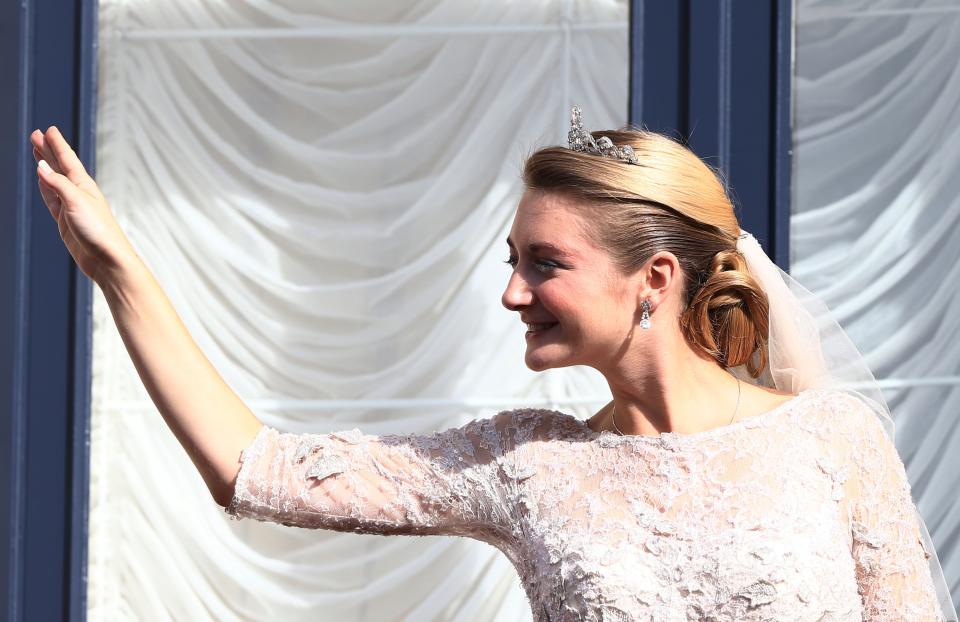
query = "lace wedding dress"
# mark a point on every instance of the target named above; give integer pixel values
(801, 513)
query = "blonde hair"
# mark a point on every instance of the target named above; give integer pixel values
(672, 201)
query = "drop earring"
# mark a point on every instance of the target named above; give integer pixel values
(645, 318)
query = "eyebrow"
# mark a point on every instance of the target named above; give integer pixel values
(535, 247)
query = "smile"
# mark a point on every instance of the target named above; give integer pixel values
(534, 330)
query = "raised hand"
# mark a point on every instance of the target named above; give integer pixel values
(203, 412)
(87, 226)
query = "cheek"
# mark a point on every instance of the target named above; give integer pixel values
(586, 307)
(605, 310)
(567, 303)
(596, 297)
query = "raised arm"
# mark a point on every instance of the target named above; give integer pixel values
(891, 563)
(211, 422)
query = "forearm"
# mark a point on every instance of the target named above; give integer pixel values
(211, 422)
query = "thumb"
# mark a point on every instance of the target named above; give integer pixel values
(65, 188)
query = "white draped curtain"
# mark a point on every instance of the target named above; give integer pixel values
(875, 229)
(323, 190)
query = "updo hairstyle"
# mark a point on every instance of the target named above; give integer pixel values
(672, 201)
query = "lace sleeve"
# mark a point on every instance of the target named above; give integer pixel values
(445, 483)
(891, 564)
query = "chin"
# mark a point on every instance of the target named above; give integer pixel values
(537, 365)
(541, 361)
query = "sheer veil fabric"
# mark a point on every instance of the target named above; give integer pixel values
(808, 349)
(876, 218)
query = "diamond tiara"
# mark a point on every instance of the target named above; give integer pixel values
(579, 139)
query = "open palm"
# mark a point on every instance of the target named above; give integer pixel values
(87, 226)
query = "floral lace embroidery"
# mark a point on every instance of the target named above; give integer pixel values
(803, 512)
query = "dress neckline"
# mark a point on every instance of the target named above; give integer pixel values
(610, 438)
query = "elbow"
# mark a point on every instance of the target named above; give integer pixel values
(223, 486)
(222, 496)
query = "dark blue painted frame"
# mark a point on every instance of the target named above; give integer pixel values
(717, 74)
(49, 53)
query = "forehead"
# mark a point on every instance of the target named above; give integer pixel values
(550, 219)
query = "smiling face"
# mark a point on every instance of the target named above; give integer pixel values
(580, 307)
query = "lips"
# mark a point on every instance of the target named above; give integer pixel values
(538, 328)
(534, 326)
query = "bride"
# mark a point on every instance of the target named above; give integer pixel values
(727, 479)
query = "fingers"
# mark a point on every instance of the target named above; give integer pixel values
(53, 148)
(65, 189)
(40, 146)
(70, 164)
(50, 199)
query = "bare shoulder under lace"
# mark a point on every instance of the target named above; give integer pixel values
(801, 513)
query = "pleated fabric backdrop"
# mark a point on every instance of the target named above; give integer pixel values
(875, 229)
(324, 190)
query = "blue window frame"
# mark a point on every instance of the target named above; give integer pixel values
(717, 74)
(48, 54)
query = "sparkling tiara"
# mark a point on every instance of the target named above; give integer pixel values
(579, 139)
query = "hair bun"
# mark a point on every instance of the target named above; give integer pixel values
(673, 201)
(728, 316)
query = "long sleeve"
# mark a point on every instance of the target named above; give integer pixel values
(445, 483)
(891, 564)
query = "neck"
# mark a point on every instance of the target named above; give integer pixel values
(672, 389)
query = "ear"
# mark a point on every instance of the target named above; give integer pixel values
(659, 276)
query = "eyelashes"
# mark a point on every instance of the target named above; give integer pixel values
(543, 265)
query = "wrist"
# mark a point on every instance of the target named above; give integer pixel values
(120, 271)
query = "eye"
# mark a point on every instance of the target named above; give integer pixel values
(542, 265)
(545, 265)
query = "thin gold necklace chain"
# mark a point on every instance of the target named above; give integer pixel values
(613, 414)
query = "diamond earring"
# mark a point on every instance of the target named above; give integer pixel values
(645, 318)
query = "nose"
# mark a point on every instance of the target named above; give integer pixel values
(517, 294)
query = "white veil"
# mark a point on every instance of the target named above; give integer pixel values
(808, 349)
